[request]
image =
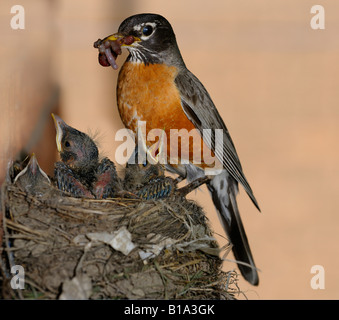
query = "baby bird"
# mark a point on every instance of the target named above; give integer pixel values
(32, 179)
(146, 180)
(80, 173)
(149, 181)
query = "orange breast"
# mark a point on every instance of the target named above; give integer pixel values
(148, 93)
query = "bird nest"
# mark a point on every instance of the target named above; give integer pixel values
(77, 248)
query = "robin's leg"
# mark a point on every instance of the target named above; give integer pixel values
(155, 153)
(193, 185)
(107, 184)
(68, 182)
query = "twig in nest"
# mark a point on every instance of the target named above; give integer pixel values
(21, 228)
(163, 279)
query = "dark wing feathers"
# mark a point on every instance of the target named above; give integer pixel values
(201, 111)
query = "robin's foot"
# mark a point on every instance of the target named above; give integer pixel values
(193, 185)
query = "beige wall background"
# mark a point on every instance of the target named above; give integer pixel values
(273, 79)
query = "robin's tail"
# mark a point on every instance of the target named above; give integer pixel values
(224, 189)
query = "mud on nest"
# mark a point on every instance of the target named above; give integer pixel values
(74, 248)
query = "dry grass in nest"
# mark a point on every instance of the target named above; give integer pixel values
(59, 242)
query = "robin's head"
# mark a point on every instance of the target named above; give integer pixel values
(149, 39)
(77, 150)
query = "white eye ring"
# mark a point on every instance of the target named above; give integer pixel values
(146, 30)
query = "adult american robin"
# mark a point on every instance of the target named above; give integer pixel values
(81, 173)
(155, 86)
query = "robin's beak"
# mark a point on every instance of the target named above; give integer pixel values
(59, 127)
(110, 48)
(125, 41)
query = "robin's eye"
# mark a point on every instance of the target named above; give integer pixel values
(147, 30)
(67, 144)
